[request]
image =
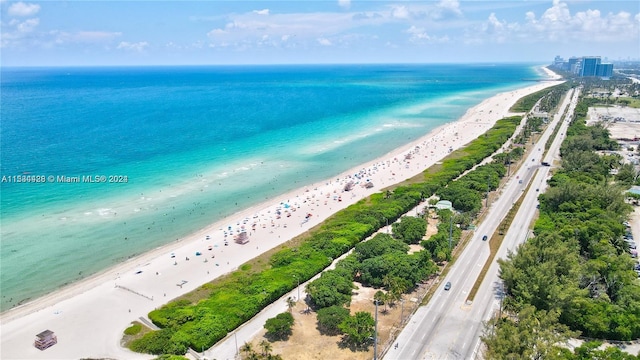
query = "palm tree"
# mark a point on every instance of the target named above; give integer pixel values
(290, 303)
(246, 348)
(266, 347)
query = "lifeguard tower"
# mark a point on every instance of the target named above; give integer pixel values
(45, 340)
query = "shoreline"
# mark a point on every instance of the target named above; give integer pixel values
(99, 307)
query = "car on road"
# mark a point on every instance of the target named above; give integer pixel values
(447, 286)
(484, 238)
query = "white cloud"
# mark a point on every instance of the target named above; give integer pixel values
(324, 42)
(419, 36)
(23, 33)
(27, 26)
(557, 24)
(135, 46)
(83, 36)
(450, 6)
(23, 9)
(493, 24)
(344, 3)
(400, 12)
(261, 12)
(216, 32)
(417, 33)
(292, 29)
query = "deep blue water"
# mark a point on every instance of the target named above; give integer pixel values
(168, 129)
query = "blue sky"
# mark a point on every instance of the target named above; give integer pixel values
(36, 33)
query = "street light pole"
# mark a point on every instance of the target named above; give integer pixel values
(488, 185)
(375, 334)
(450, 230)
(401, 311)
(235, 335)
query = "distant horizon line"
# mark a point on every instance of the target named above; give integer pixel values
(534, 63)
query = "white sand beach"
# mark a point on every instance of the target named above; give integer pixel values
(89, 317)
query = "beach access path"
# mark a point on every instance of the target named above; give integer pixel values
(89, 317)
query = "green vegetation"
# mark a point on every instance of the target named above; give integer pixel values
(536, 334)
(279, 327)
(629, 101)
(550, 99)
(248, 353)
(409, 229)
(330, 318)
(170, 357)
(589, 351)
(358, 329)
(332, 288)
(202, 318)
(133, 329)
(575, 275)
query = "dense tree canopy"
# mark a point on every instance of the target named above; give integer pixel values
(358, 329)
(577, 267)
(279, 327)
(536, 334)
(330, 318)
(410, 229)
(331, 288)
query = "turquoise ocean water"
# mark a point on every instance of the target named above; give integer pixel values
(195, 144)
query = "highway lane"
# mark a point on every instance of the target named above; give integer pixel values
(449, 327)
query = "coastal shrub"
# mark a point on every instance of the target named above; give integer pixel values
(358, 329)
(410, 229)
(282, 258)
(333, 287)
(170, 357)
(279, 327)
(378, 245)
(203, 332)
(133, 329)
(330, 318)
(155, 342)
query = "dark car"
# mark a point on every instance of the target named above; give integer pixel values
(447, 286)
(484, 238)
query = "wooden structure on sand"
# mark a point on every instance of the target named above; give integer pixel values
(349, 186)
(242, 238)
(45, 340)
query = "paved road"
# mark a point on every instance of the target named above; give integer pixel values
(449, 327)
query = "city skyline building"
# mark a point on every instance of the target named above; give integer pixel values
(589, 65)
(586, 66)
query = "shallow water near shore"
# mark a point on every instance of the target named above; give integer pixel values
(195, 144)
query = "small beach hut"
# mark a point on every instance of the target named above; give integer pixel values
(242, 238)
(45, 339)
(349, 186)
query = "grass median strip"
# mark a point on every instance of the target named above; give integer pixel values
(496, 241)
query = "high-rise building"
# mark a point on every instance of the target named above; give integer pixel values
(584, 66)
(558, 61)
(604, 70)
(573, 64)
(589, 65)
